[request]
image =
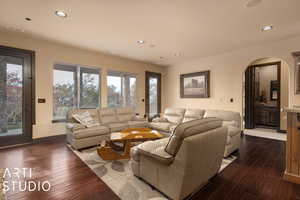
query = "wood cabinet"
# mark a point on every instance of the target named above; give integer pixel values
(266, 115)
(292, 172)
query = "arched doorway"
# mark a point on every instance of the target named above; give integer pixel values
(265, 94)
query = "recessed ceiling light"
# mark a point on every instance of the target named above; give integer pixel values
(60, 13)
(141, 41)
(267, 28)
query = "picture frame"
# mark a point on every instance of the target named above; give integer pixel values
(195, 85)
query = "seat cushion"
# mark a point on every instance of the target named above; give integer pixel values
(116, 127)
(163, 126)
(90, 132)
(156, 150)
(138, 124)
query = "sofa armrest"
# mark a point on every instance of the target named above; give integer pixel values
(156, 150)
(75, 126)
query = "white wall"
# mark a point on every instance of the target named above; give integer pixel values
(227, 71)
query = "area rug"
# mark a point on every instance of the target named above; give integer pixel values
(2, 193)
(119, 177)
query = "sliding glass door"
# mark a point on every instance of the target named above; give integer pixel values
(15, 96)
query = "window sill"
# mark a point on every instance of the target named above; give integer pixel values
(59, 120)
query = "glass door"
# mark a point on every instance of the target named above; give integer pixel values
(15, 96)
(153, 94)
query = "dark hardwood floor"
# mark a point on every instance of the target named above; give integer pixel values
(256, 174)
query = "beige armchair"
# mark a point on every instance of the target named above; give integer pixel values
(182, 164)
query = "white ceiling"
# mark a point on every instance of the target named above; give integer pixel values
(192, 28)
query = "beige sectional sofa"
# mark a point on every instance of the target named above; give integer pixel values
(113, 120)
(109, 119)
(172, 117)
(171, 164)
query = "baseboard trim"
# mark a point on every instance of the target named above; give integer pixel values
(49, 138)
(291, 178)
(15, 145)
(36, 141)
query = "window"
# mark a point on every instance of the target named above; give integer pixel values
(121, 89)
(74, 87)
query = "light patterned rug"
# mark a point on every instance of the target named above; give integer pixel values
(2, 194)
(119, 177)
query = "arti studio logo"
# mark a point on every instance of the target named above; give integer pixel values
(18, 179)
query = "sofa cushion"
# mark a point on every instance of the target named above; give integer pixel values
(137, 124)
(116, 127)
(108, 115)
(233, 131)
(228, 140)
(173, 127)
(225, 116)
(75, 126)
(90, 132)
(174, 115)
(156, 150)
(188, 129)
(163, 126)
(192, 114)
(125, 114)
(230, 123)
(93, 112)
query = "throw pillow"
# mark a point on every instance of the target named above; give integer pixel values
(85, 119)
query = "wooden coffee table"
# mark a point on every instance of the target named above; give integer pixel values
(107, 152)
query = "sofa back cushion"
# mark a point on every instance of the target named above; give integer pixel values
(188, 129)
(229, 117)
(125, 114)
(93, 113)
(174, 115)
(193, 114)
(108, 115)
